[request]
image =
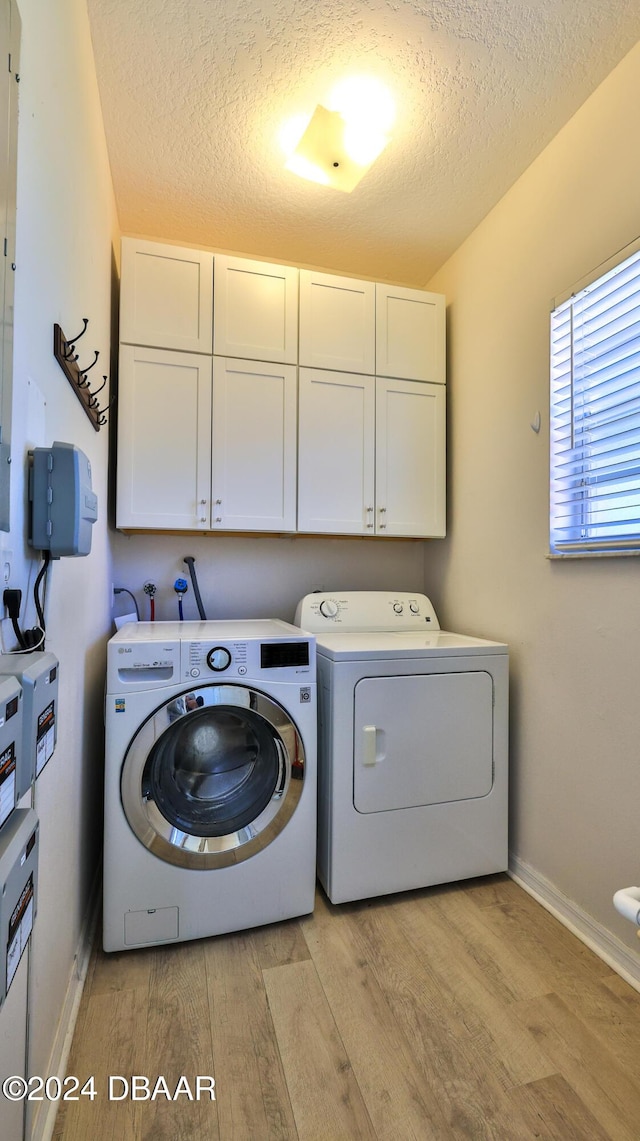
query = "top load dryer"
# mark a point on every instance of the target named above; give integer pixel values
(412, 745)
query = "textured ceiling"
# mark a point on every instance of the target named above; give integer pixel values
(194, 92)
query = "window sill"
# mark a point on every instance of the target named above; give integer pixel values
(557, 558)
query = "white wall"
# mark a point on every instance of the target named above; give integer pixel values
(573, 626)
(242, 577)
(66, 223)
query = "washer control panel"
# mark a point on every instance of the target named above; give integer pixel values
(150, 655)
(365, 610)
(235, 660)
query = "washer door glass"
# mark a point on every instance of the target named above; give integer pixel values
(212, 776)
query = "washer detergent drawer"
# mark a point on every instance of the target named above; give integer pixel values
(422, 739)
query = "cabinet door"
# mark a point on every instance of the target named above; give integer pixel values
(255, 310)
(410, 334)
(337, 322)
(410, 458)
(254, 446)
(336, 452)
(164, 440)
(166, 296)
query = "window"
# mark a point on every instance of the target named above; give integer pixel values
(595, 415)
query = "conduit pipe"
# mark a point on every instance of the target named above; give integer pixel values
(627, 902)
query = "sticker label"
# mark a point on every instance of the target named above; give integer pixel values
(120, 706)
(20, 928)
(46, 737)
(7, 782)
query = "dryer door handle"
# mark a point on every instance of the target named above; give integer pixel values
(369, 745)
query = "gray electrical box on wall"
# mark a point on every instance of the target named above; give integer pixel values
(63, 506)
(18, 891)
(10, 745)
(37, 674)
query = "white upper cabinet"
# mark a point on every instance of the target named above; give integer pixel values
(410, 334)
(371, 455)
(254, 446)
(260, 397)
(410, 458)
(337, 323)
(164, 439)
(336, 452)
(166, 298)
(255, 310)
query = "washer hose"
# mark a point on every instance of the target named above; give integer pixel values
(190, 561)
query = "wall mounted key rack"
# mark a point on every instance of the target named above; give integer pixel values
(64, 350)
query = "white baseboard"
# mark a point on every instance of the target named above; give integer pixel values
(43, 1124)
(600, 940)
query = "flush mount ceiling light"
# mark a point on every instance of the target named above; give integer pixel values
(341, 140)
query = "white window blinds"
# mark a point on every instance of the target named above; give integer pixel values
(595, 416)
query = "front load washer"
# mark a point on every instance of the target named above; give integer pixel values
(210, 781)
(412, 746)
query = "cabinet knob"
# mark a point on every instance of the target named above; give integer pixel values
(368, 508)
(382, 510)
(218, 518)
(218, 501)
(369, 524)
(382, 526)
(202, 502)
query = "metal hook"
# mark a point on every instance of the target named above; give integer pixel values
(71, 343)
(97, 390)
(103, 412)
(84, 371)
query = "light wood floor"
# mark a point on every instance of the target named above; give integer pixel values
(459, 1012)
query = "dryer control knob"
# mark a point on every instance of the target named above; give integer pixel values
(414, 607)
(398, 607)
(328, 608)
(219, 659)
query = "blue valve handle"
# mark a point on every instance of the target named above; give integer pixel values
(181, 587)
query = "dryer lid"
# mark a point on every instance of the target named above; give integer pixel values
(382, 645)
